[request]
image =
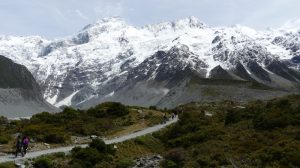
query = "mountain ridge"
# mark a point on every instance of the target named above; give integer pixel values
(97, 61)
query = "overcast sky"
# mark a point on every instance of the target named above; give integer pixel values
(58, 18)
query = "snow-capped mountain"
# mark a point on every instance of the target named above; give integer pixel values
(111, 57)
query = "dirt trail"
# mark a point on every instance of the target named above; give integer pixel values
(146, 131)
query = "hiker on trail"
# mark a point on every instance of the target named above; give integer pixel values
(164, 118)
(173, 116)
(25, 143)
(18, 146)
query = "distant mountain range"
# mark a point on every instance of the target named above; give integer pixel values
(165, 64)
(20, 95)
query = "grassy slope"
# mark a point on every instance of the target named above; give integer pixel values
(264, 134)
(57, 129)
(256, 134)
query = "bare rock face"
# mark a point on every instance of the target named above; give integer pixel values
(20, 94)
(148, 162)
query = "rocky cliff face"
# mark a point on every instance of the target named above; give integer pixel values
(111, 60)
(20, 94)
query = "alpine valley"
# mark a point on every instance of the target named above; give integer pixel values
(165, 64)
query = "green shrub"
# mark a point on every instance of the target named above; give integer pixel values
(44, 117)
(189, 139)
(283, 156)
(99, 145)
(3, 120)
(59, 155)
(280, 103)
(110, 149)
(297, 136)
(46, 133)
(203, 162)
(55, 137)
(142, 140)
(7, 165)
(69, 114)
(232, 117)
(96, 153)
(274, 118)
(42, 162)
(4, 139)
(169, 164)
(219, 159)
(153, 108)
(87, 157)
(125, 163)
(108, 109)
(176, 155)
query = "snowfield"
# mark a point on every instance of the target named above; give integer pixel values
(74, 69)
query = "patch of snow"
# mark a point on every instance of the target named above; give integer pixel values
(52, 100)
(165, 91)
(246, 68)
(89, 98)
(109, 95)
(66, 101)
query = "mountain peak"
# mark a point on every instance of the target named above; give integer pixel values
(111, 22)
(291, 25)
(190, 21)
(181, 24)
(97, 61)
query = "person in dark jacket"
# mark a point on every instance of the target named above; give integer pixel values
(19, 145)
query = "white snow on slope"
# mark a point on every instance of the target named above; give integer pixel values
(67, 101)
(97, 52)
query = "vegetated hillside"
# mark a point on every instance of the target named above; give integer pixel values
(257, 134)
(20, 94)
(215, 134)
(107, 119)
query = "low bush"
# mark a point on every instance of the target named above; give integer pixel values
(176, 155)
(42, 162)
(87, 157)
(153, 108)
(46, 133)
(4, 139)
(125, 163)
(169, 164)
(59, 155)
(262, 134)
(7, 165)
(99, 145)
(108, 109)
(3, 121)
(96, 153)
(142, 140)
